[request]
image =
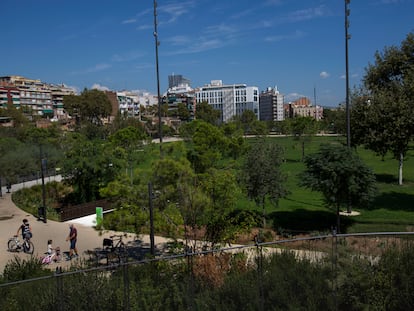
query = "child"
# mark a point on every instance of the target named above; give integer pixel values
(50, 254)
(58, 256)
(50, 248)
(53, 252)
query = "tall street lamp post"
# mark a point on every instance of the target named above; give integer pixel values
(347, 37)
(157, 43)
(42, 209)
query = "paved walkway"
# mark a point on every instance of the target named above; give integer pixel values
(88, 238)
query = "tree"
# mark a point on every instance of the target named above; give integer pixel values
(19, 119)
(236, 142)
(247, 119)
(341, 176)
(303, 128)
(382, 115)
(220, 186)
(205, 112)
(262, 174)
(90, 106)
(334, 120)
(129, 138)
(183, 112)
(88, 165)
(208, 146)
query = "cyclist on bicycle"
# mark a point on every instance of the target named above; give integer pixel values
(26, 230)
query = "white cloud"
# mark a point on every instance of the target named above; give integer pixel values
(96, 68)
(296, 35)
(324, 74)
(354, 75)
(145, 27)
(97, 86)
(129, 21)
(99, 67)
(175, 10)
(307, 14)
(293, 96)
(144, 66)
(179, 40)
(128, 56)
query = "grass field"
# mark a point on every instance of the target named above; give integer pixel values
(304, 210)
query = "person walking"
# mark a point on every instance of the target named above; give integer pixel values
(72, 237)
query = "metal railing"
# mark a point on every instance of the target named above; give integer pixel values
(120, 280)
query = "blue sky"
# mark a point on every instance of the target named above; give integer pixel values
(297, 45)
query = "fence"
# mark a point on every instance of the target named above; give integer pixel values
(76, 211)
(310, 273)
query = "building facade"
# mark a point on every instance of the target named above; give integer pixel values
(182, 94)
(303, 108)
(34, 97)
(9, 95)
(230, 100)
(176, 80)
(271, 105)
(128, 104)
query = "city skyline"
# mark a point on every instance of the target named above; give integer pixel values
(298, 46)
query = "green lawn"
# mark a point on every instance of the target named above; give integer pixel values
(304, 210)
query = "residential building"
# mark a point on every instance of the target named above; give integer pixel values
(176, 80)
(230, 100)
(271, 105)
(9, 95)
(303, 107)
(181, 94)
(34, 97)
(128, 104)
(58, 92)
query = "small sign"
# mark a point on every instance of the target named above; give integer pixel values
(99, 216)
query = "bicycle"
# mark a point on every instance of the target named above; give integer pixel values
(14, 245)
(115, 246)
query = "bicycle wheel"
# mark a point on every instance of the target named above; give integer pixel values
(122, 253)
(28, 247)
(12, 246)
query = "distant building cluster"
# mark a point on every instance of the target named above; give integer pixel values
(35, 97)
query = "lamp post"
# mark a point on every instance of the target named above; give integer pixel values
(157, 43)
(151, 210)
(347, 37)
(42, 209)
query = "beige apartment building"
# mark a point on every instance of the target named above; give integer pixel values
(34, 97)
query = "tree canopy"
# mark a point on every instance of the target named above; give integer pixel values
(382, 115)
(262, 175)
(90, 105)
(341, 177)
(207, 113)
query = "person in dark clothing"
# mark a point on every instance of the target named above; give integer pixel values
(25, 229)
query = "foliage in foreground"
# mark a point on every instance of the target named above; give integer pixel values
(225, 282)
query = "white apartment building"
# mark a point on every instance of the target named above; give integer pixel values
(230, 100)
(128, 104)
